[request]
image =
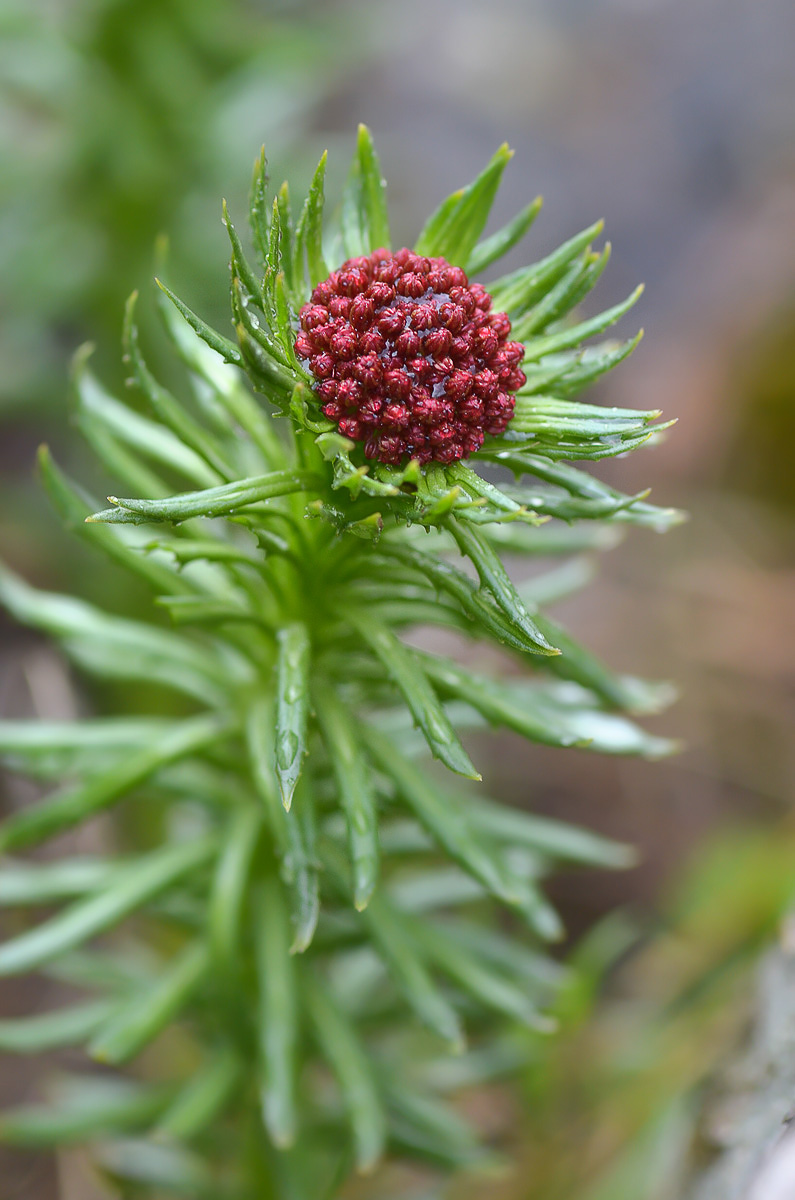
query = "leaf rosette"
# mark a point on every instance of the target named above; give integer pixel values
(334, 897)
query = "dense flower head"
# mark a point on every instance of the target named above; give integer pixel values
(409, 358)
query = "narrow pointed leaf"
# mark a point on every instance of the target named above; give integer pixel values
(259, 207)
(411, 976)
(167, 408)
(445, 817)
(292, 706)
(230, 885)
(454, 229)
(73, 509)
(365, 225)
(356, 793)
(136, 1163)
(430, 1129)
(100, 1109)
(75, 804)
(141, 434)
(240, 264)
(134, 887)
(558, 839)
(514, 293)
(423, 702)
(493, 248)
(309, 263)
(495, 578)
(341, 1047)
(477, 606)
(277, 1017)
(145, 1014)
(553, 342)
(478, 978)
(210, 502)
(202, 1099)
(373, 191)
(24, 883)
(114, 646)
(293, 832)
(50, 1031)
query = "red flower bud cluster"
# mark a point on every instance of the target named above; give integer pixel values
(409, 358)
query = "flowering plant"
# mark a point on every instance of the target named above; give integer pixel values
(317, 910)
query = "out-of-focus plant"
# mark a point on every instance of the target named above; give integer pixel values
(648, 1019)
(317, 910)
(118, 120)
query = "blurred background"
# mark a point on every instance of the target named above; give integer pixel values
(125, 120)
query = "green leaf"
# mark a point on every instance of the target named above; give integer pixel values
(73, 509)
(497, 703)
(259, 207)
(23, 883)
(356, 793)
(442, 887)
(446, 818)
(548, 417)
(309, 262)
(339, 1044)
(134, 886)
(591, 493)
(552, 343)
(285, 325)
(292, 706)
(74, 804)
(99, 410)
(240, 265)
(495, 578)
(277, 1017)
(557, 714)
(430, 1129)
(538, 972)
(294, 831)
(497, 501)
(47, 749)
(579, 665)
(187, 550)
(140, 1018)
(514, 293)
(226, 349)
(408, 676)
(52, 1030)
(586, 449)
(364, 219)
(494, 247)
(189, 432)
(453, 230)
(387, 929)
(210, 502)
(97, 1108)
(202, 1098)
(282, 211)
(230, 887)
(567, 373)
(199, 347)
(477, 978)
(570, 289)
(558, 839)
(475, 604)
(135, 1163)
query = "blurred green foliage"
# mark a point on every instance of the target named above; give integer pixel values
(650, 1018)
(124, 119)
